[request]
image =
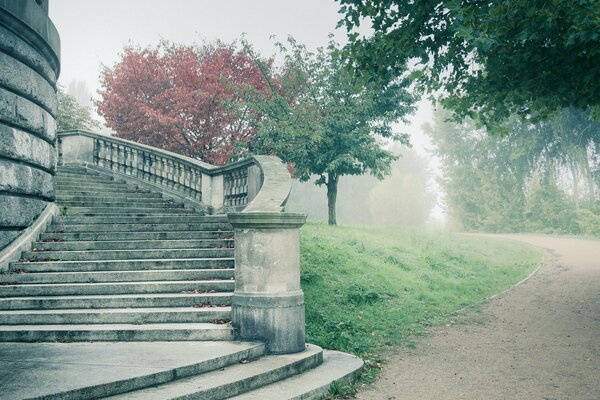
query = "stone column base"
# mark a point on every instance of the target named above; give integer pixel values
(276, 320)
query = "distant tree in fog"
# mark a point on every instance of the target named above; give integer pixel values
(405, 197)
(71, 115)
(81, 93)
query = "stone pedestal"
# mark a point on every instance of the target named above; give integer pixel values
(268, 303)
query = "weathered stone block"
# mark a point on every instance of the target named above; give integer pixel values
(6, 237)
(25, 180)
(18, 48)
(277, 320)
(20, 112)
(19, 211)
(21, 79)
(19, 145)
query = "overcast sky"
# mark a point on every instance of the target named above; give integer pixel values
(93, 32)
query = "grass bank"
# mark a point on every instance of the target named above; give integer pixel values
(368, 288)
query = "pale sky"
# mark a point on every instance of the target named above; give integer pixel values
(94, 32)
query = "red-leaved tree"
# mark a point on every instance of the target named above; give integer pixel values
(185, 99)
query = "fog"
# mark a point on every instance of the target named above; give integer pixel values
(93, 33)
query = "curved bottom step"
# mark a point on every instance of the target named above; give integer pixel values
(337, 368)
(233, 380)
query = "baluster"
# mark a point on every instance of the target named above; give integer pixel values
(130, 161)
(170, 173)
(146, 166)
(123, 160)
(96, 152)
(177, 169)
(154, 168)
(114, 156)
(109, 155)
(198, 185)
(102, 154)
(138, 164)
(160, 171)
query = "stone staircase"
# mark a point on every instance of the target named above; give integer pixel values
(123, 264)
(120, 263)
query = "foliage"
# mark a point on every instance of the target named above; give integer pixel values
(530, 179)
(486, 60)
(369, 288)
(324, 121)
(178, 98)
(71, 115)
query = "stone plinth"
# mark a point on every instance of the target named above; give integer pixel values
(268, 303)
(29, 67)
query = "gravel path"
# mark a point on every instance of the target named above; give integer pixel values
(540, 340)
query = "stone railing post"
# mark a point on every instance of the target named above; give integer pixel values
(268, 303)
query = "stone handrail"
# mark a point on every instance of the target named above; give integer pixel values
(255, 184)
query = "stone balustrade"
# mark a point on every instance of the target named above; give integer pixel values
(201, 185)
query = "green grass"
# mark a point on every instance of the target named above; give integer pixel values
(369, 288)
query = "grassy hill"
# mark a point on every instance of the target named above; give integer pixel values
(368, 288)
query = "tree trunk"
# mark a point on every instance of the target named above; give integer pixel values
(589, 179)
(332, 182)
(575, 176)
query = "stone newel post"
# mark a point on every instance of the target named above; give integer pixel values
(268, 303)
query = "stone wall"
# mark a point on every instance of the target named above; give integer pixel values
(29, 68)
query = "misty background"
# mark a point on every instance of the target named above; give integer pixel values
(93, 34)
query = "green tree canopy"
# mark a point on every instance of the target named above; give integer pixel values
(71, 115)
(486, 60)
(324, 121)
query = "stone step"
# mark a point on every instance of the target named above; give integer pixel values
(170, 315)
(233, 380)
(132, 210)
(152, 219)
(62, 183)
(130, 194)
(71, 289)
(115, 332)
(100, 189)
(114, 367)
(93, 204)
(85, 184)
(116, 301)
(114, 201)
(338, 368)
(122, 265)
(97, 255)
(133, 244)
(68, 171)
(62, 179)
(139, 227)
(103, 192)
(117, 276)
(108, 236)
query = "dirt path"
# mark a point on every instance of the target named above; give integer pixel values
(541, 340)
